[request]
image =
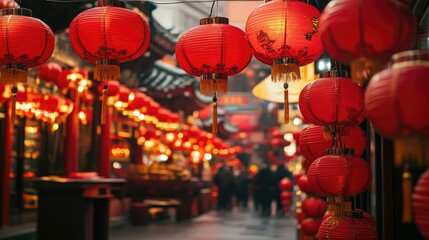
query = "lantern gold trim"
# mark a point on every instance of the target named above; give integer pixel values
(107, 69)
(16, 11)
(213, 83)
(285, 69)
(113, 3)
(214, 20)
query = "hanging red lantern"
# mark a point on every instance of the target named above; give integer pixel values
(87, 98)
(303, 184)
(391, 93)
(333, 99)
(357, 225)
(420, 204)
(284, 34)
(123, 98)
(314, 207)
(279, 143)
(213, 51)
(339, 174)
(108, 35)
(313, 141)
(49, 71)
(25, 42)
(300, 215)
(286, 195)
(366, 34)
(137, 100)
(310, 226)
(286, 184)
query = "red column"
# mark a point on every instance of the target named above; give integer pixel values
(7, 132)
(72, 137)
(104, 147)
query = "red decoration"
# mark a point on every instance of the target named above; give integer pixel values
(300, 215)
(314, 207)
(303, 184)
(313, 142)
(69, 78)
(286, 184)
(331, 101)
(358, 226)
(396, 99)
(310, 226)
(420, 204)
(49, 71)
(352, 33)
(138, 101)
(8, 4)
(286, 195)
(339, 175)
(279, 143)
(284, 34)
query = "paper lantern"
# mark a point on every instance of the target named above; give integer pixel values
(310, 226)
(420, 204)
(279, 143)
(300, 215)
(25, 42)
(396, 99)
(286, 195)
(286, 184)
(49, 71)
(213, 51)
(313, 142)
(366, 34)
(333, 99)
(339, 174)
(358, 225)
(107, 35)
(314, 207)
(303, 184)
(284, 34)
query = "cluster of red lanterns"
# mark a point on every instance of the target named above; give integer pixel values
(286, 187)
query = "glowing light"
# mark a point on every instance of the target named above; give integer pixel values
(288, 137)
(55, 127)
(163, 157)
(81, 115)
(242, 135)
(297, 121)
(207, 156)
(169, 136)
(290, 150)
(136, 113)
(117, 165)
(141, 117)
(131, 97)
(80, 89)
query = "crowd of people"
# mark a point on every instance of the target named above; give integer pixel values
(235, 182)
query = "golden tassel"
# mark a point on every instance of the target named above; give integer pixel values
(214, 124)
(363, 69)
(338, 206)
(106, 72)
(211, 84)
(285, 72)
(14, 75)
(286, 103)
(407, 186)
(327, 133)
(13, 112)
(104, 104)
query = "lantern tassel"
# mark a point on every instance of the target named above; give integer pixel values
(214, 124)
(285, 72)
(211, 84)
(107, 70)
(407, 186)
(104, 104)
(363, 69)
(14, 74)
(286, 103)
(13, 112)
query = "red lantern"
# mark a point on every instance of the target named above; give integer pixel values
(107, 35)
(310, 226)
(88, 97)
(365, 33)
(286, 184)
(357, 226)
(137, 100)
(286, 195)
(341, 174)
(314, 207)
(213, 51)
(303, 184)
(420, 204)
(313, 142)
(284, 34)
(396, 99)
(279, 143)
(25, 42)
(49, 71)
(300, 215)
(333, 99)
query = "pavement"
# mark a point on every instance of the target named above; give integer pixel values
(235, 225)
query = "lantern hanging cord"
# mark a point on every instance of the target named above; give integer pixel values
(211, 9)
(154, 2)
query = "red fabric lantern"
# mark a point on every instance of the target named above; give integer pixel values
(137, 101)
(303, 184)
(213, 51)
(88, 97)
(300, 215)
(310, 226)
(341, 174)
(107, 35)
(314, 207)
(313, 142)
(284, 34)
(49, 71)
(396, 99)
(331, 100)
(286, 195)
(285, 184)
(357, 226)
(25, 42)
(420, 204)
(366, 34)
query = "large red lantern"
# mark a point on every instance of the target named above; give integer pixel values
(356, 225)
(420, 204)
(339, 174)
(284, 34)
(333, 99)
(313, 142)
(213, 51)
(366, 33)
(314, 207)
(107, 35)
(396, 99)
(310, 226)
(25, 42)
